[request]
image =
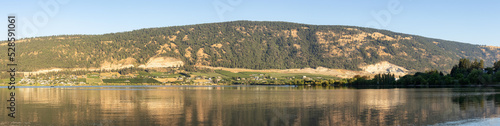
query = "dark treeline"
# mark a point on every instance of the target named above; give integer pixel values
(467, 72)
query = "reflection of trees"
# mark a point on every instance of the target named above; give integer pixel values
(468, 101)
(249, 106)
(479, 103)
(475, 99)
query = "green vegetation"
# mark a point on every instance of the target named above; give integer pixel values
(82, 80)
(133, 80)
(301, 75)
(94, 80)
(247, 44)
(233, 75)
(92, 75)
(208, 74)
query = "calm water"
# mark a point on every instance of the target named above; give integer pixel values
(252, 105)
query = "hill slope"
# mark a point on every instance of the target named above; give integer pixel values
(246, 44)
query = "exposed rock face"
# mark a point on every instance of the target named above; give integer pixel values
(124, 63)
(159, 62)
(384, 67)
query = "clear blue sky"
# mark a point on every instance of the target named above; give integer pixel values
(469, 21)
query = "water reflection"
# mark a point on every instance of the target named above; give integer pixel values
(248, 105)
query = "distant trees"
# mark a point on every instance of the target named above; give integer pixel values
(465, 66)
(497, 76)
(466, 72)
(379, 79)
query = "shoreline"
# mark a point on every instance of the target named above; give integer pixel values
(278, 85)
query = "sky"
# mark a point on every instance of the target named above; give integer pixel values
(468, 21)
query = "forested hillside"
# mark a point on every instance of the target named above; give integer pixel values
(248, 44)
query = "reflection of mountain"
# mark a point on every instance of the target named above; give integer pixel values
(248, 106)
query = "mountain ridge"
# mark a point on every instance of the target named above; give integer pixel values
(252, 45)
(4, 41)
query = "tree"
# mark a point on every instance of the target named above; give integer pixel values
(496, 65)
(464, 63)
(434, 79)
(474, 76)
(481, 64)
(419, 80)
(497, 76)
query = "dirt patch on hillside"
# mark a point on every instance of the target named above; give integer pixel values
(159, 62)
(218, 45)
(200, 56)
(114, 65)
(381, 36)
(297, 46)
(186, 38)
(322, 37)
(289, 33)
(172, 37)
(493, 51)
(106, 42)
(344, 38)
(163, 49)
(188, 52)
(201, 53)
(396, 45)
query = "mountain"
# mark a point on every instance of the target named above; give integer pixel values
(246, 44)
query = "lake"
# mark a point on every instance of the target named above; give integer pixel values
(251, 106)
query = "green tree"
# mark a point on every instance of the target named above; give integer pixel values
(419, 80)
(497, 76)
(497, 65)
(474, 76)
(464, 63)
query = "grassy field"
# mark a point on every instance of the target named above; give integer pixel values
(172, 75)
(240, 74)
(5, 80)
(211, 74)
(158, 74)
(299, 75)
(82, 80)
(92, 75)
(134, 80)
(276, 75)
(93, 80)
